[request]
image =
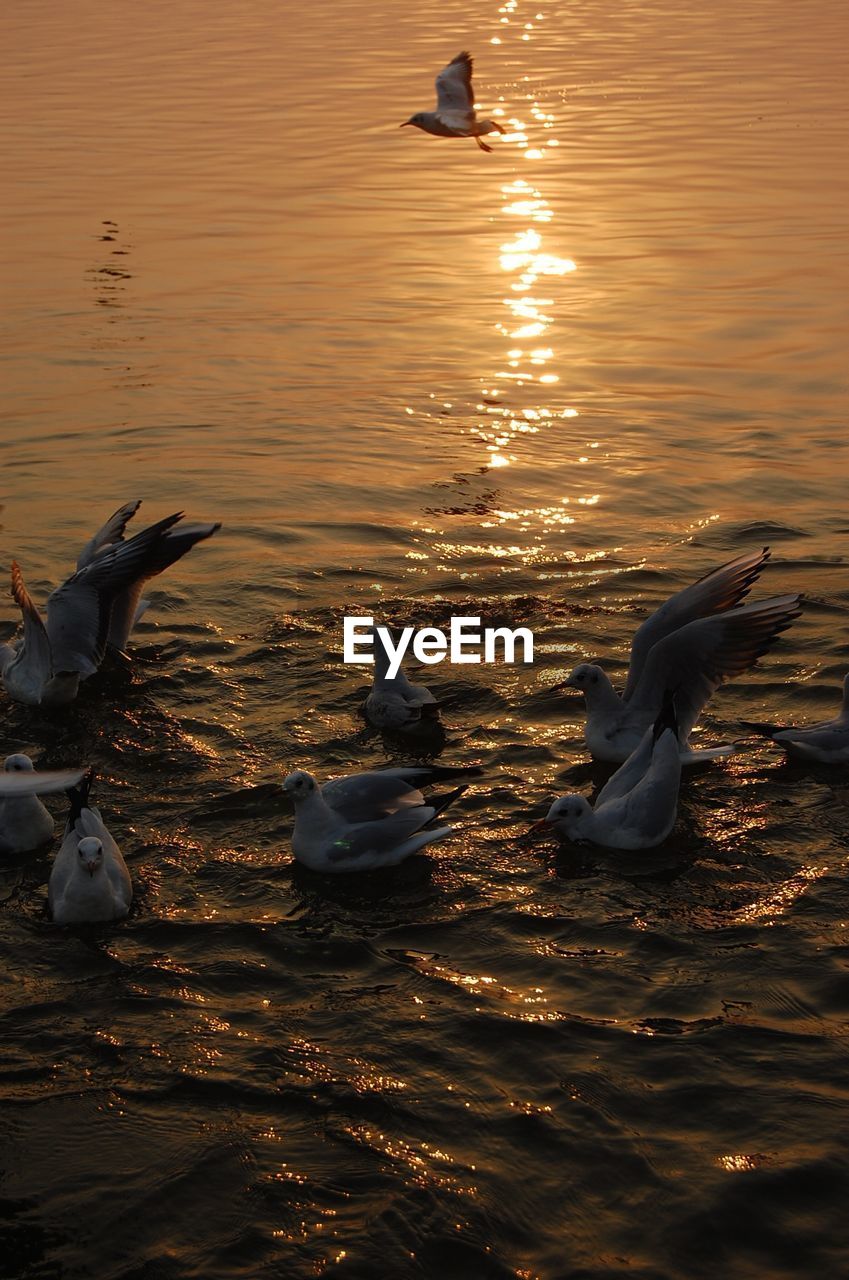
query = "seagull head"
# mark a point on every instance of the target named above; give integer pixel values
(585, 678)
(18, 764)
(299, 785)
(417, 120)
(567, 812)
(90, 854)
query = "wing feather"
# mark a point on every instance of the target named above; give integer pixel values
(698, 657)
(715, 592)
(454, 86)
(377, 838)
(111, 532)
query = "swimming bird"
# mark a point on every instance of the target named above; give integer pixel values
(96, 607)
(700, 637)
(364, 820)
(24, 821)
(454, 116)
(824, 743)
(393, 703)
(89, 881)
(637, 807)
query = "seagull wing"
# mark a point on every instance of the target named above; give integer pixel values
(376, 838)
(38, 784)
(363, 797)
(34, 662)
(628, 775)
(719, 590)
(454, 89)
(113, 531)
(79, 612)
(164, 552)
(698, 657)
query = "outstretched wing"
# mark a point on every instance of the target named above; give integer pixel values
(112, 532)
(34, 662)
(38, 784)
(167, 550)
(79, 612)
(721, 589)
(454, 87)
(695, 659)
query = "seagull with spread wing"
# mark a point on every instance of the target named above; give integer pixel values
(96, 607)
(699, 638)
(454, 116)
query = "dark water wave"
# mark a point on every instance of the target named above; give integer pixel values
(505, 1056)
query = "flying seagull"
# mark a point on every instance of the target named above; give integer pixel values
(700, 637)
(454, 116)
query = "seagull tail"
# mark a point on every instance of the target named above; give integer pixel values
(666, 719)
(78, 797)
(440, 803)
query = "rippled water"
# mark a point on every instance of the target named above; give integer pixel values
(548, 385)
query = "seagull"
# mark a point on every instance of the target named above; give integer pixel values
(823, 743)
(393, 702)
(365, 820)
(89, 881)
(454, 116)
(25, 824)
(95, 608)
(700, 637)
(637, 807)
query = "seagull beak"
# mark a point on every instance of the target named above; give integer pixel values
(564, 684)
(90, 868)
(406, 122)
(541, 825)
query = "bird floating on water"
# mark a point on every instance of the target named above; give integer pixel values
(366, 820)
(25, 823)
(97, 607)
(394, 703)
(637, 807)
(824, 743)
(89, 882)
(455, 116)
(700, 637)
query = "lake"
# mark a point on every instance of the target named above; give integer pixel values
(547, 387)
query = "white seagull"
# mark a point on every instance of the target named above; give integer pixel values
(24, 821)
(95, 608)
(454, 116)
(700, 637)
(637, 807)
(393, 703)
(89, 881)
(823, 743)
(365, 820)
